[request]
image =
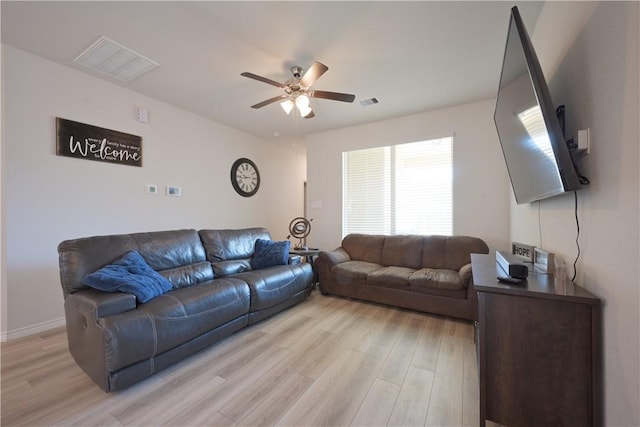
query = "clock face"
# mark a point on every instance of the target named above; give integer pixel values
(245, 177)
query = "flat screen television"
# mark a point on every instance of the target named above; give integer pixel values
(533, 143)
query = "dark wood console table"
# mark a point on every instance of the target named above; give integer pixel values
(539, 351)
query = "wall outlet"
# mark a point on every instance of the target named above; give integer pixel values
(584, 140)
(151, 189)
(174, 191)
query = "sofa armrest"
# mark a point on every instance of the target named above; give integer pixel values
(294, 260)
(465, 275)
(101, 303)
(334, 257)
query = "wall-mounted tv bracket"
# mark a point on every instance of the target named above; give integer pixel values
(581, 145)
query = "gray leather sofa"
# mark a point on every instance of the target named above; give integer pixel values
(425, 273)
(215, 292)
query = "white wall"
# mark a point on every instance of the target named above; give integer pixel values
(47, 198)
(597, 80)
(596, 76)
(481, 189)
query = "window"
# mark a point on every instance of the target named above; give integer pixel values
(399, 189)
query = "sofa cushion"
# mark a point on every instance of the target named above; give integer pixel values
(171, 319)
(268, 253)
(451, 252)
(189, 275)
(129, 274)
(235, 266)
(170, 249)
(355, 269)
(79, 257)
(364, 247)
(186, 313)
(230, 251)
(393, 277)
(403, 251)
(436, 279)
(272, 285)
(226, 245)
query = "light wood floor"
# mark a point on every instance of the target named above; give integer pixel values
(328, 361)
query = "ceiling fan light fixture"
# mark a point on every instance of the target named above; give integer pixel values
(304, 110)
(287, 106)
(297, 91)
(302, 102)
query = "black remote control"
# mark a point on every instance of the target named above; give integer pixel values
(511, 280)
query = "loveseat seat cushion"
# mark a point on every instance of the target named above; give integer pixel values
(172, 319)
(432, 278)
(391, 277)
(358, 270)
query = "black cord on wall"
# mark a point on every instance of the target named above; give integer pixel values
(575, 271)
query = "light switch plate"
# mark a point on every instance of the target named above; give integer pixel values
(174, 191)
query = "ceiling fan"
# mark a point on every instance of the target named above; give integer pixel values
(297, 92)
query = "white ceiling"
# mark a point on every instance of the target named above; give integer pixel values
(412, 56)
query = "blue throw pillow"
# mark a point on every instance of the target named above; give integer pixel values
(268, 253)
(132, 275)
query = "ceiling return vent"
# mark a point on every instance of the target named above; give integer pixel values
(108, 57)
(369, 101)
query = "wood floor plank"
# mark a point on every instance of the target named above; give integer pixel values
(204, 408)
(281, 398)
(413, 401)
(377, 405)
(327, 361)
(346, 397)
(445, 404)
(312, 402)
(396, 366)
(428, 345)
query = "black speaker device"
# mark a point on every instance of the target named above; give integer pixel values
(511, 265)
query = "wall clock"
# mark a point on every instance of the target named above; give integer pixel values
(245, 177)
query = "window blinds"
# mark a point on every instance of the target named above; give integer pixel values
(400, 189)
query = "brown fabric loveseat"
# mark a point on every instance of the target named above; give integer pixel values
(426, 273)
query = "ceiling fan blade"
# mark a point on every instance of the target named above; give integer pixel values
(310, 115)
(269, 101)
(262, 79)
(313, 73)
(334, 96)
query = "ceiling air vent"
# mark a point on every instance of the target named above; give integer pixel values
(115, 60)
(369, 101)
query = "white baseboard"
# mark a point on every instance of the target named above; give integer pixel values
(32, 329)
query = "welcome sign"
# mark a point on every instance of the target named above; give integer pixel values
(88, 142)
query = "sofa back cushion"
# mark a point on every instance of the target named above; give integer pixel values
(80, 257)
(403, 251)
(230, 251)
(364, 247)
(451, 252)
(177, 254)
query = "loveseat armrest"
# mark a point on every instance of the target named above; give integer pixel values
(336, 256)
(102, 304)
(465, 275)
